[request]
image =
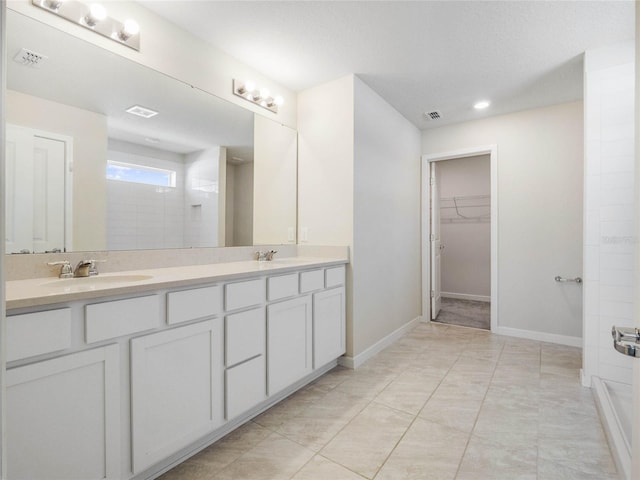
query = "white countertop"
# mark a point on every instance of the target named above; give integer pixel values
(51, 290)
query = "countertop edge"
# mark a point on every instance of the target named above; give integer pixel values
(162, 279)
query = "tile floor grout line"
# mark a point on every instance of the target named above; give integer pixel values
(367, 405)
(466, 447)
(417, 415)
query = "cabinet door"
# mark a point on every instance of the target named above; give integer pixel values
(328, 326)
(63, 417)
(245, 386)
(288, 342)
(177, 389)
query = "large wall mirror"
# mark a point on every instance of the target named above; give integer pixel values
(90, 166)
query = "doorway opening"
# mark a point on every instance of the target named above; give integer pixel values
(460, 238)
(461, 227)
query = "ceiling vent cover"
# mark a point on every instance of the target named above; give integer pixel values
(140, 111)
(29, 58)
(433, 115)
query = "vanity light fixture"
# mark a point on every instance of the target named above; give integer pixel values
(482, 104)
(143, 112)
(94, 17)
(259, 96)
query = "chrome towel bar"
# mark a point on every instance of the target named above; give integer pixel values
(566, 280)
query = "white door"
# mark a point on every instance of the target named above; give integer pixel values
(35, 196)
(436, 290)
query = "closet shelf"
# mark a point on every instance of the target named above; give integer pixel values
(465, 209)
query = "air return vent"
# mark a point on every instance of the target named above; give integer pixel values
(433, 115)
(29, 58)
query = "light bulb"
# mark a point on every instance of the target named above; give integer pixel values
(130, 27)
(278, 100)
(96, 14)
(249, 86)
(264, 93)
(482, 104)
(54, 4)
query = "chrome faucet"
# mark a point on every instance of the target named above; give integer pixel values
(265, 256)
(65, 268)
(82, 269)
(86, 268)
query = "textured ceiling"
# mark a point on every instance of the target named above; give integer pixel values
(418, 55)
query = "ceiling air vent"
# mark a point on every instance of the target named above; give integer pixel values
(29, 58)
(434, 115)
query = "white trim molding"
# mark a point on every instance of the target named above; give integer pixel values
(373, 350)
(466, 296)
(540, 336)
(620, 446)
(492, 151)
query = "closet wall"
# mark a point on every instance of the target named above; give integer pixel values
(465, 190)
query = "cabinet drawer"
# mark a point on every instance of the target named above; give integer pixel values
(245, 386)
(193, 304)
(313, 280)
(244, 335)
(121, 317)
(244, 294)
(282, 286)
(37, 333)
(334, 276)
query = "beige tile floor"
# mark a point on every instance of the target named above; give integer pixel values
(443, 402)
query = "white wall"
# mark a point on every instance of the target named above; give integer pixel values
(386, 243)
(175, 52)
(201, 194)
(325, 172)
(609, 240)
(240, 204)
(325, 163)
(145, 216)
(89, 132)
(539, 214)
(466, 258)
(359, 185)
(275, 171)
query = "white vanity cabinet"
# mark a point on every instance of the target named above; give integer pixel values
(289, 342)
(176, 389)
(63, 417)
(124, 386)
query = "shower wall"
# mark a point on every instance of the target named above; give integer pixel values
(608, 209)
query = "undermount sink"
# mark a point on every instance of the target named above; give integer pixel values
(93, 282)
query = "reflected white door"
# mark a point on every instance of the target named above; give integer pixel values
(436, 269)
(35, 191)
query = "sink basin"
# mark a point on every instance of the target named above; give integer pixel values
(91, 283)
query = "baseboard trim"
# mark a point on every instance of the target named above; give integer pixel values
(540, 336)
(619, 444)
(358, 360)
(467, 296)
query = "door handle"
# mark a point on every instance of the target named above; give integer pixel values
(626, 340)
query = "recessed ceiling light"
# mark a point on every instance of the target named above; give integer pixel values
(482, 104)
(141, 111)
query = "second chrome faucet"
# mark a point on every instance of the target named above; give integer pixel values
(84, 268)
